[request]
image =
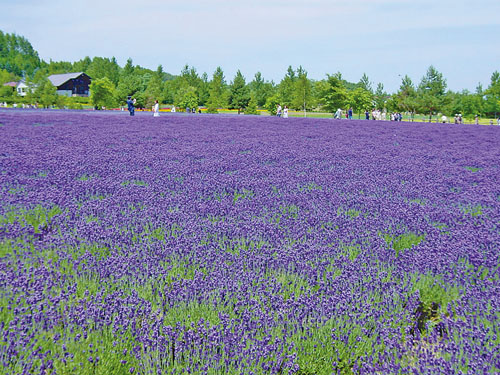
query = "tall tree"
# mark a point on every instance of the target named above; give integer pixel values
(380, 97)
(239, 93)
(302, 97)
(492, 93)
(361, 100)
(332, 92)
(261, 89)
(406, 97)
(217, 86)
(431, 92)
(286, 87)
(17, 55)
(154, 89)
(130, 83)
(102, 93)
(365, 83)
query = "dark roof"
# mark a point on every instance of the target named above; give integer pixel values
(59, 79)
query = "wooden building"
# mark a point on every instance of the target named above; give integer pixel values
(71, 84)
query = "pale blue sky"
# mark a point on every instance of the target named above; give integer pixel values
(383, 38)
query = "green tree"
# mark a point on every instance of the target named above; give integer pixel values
(130, 83)
(361, 100)
(261, 89)
(380, 97)
(154, 89)
(272, 104)
(492, 95)
(302, 97)
(365, 83)
(17, 55)
(217, 97)
(251, 108)
(102, 93)
(46, 93)
(187, 98)
(204, 89)
(406, 98)
(286, 88)
(332, 92)
(431, 92)
(239, 93)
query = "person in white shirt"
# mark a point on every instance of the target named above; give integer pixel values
(285, 112)
(156, 109)
(338, 114)
(173, 109)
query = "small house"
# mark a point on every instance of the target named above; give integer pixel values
(71, 84)
(21, 88)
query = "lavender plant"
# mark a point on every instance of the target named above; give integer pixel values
(247, 245)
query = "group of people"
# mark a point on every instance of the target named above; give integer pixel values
(156, 107)
(282, 112)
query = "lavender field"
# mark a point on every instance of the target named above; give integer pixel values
(245, 245)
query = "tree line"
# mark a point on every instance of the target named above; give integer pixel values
(112, 84)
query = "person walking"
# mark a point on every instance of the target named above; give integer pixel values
(130, 105)
(285, 112)
(278, 111)
(350, 113)
(367, 115)
(156, 109)
(338, 114)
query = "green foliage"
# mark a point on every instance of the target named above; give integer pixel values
(431, 92)
(492, 94)
(102, 92)
(361, 100)
(261, 89)
(332, 93)
(403, 242)
(251, 108)
(17, 55)
(272, 104)
(46, 93)
(286, 88)
(302, 91)
(187, 98)
(239, 96)
(39, 217)
(154, 89)
(217, 95)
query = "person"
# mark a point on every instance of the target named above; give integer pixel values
(350, 113)
(172, 109)
(285, 112)
(278, 111)
(338, 114)
(498, 121)
(444, 119)
(367, 115)
(476, 119)
(130, 105)
(188, 110)
(156, 109)
(460, 120)
(456, 118)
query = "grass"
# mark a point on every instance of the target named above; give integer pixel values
(403, 242)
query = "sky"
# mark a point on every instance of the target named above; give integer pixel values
(386, 39)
